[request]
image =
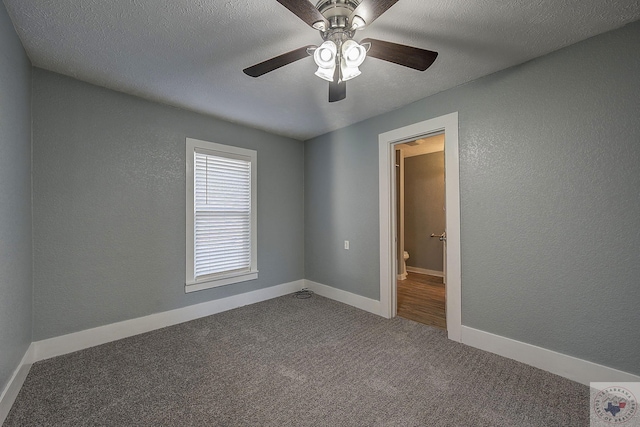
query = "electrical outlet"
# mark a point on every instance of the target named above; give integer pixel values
(346, 244)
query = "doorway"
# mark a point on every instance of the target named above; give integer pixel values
(421, 235)
(448, 125)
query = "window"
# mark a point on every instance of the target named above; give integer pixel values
(221, 215)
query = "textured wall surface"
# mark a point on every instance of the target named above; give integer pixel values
(341, 197)
(109, 205)
(15, 200)
(550, 178)
(424, 210)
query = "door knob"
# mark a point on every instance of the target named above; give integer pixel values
(442, 237)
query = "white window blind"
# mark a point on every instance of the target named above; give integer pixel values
(222, 215)
(221, 222)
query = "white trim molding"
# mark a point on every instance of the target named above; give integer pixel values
(575, 369)
(69, 343)
(425, 271)
(14, 385)
(354, 300)
(448, 125)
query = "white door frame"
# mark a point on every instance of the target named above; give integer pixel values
(388, 234)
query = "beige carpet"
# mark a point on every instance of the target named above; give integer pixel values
(291, 362)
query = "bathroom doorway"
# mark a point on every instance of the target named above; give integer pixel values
(447, 124)
(420, 222)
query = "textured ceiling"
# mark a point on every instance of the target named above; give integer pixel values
(191, 53)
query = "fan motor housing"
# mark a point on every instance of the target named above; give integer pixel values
(337, 12)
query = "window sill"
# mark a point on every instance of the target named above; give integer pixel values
(223, 281)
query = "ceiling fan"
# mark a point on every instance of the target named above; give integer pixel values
(339, 57)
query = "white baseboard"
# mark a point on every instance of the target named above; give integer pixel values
(358, 301)
(12, 389)
(425, 271)
(575, 369)
(569, 367)
(64, 344)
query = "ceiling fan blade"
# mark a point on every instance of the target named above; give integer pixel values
(304, 10)
(337, 88)
(337, 91)
(408, 56)
(277, 62)
(370, 10)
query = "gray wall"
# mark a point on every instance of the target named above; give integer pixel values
(109, 205)
(15, 200)
(550, 179)
(424, 210)
(341, 203)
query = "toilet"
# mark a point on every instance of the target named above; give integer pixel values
(403, 271)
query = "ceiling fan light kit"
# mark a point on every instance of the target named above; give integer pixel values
(339, 57)
(351, 56)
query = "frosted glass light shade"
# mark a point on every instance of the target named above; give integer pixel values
(325, 57)
(348, 72)
(326, 73)
(353, 55)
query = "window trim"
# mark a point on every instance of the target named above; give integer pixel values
(191, 283)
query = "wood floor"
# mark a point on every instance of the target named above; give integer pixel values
(422, 298)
